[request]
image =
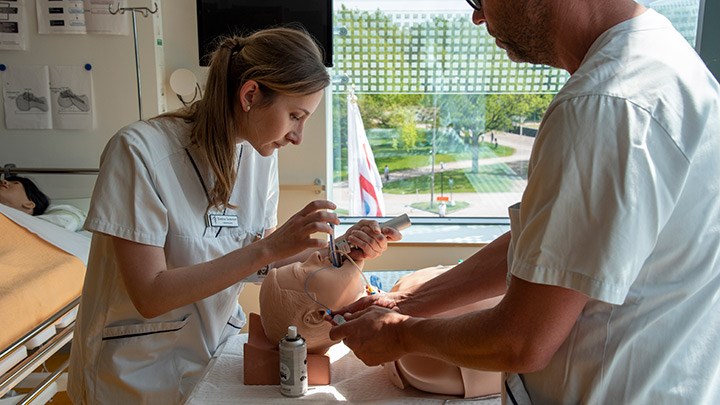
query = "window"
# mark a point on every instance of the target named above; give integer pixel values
(444, 109)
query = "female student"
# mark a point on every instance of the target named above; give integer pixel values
(184, 209)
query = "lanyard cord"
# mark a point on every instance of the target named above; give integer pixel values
(202, 182)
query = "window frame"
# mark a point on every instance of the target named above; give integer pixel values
(707, 45)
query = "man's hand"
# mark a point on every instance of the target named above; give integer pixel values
(373, 334)
(385, 300)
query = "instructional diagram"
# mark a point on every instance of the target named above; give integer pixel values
(42, 97)
(13, 29)
(68, 100)
(27, 100)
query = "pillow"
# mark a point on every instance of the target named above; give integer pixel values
(65, 216)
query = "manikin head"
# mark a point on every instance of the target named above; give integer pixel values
(22, 194)
(298, 294)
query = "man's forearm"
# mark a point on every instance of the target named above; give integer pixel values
(519, 334)
(479, 277)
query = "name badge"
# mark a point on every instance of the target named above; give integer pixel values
(223, 221)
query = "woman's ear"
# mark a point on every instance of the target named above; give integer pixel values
(249, 95)
(314, 317)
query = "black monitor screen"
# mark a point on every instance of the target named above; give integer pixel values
(227, 17)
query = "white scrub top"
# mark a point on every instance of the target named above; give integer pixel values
(149, 192)
(622, 205)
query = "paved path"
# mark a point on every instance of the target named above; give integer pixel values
(521, 144)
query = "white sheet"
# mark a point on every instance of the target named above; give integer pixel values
(352, 381)
(74, 243)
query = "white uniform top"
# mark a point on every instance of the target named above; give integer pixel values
(622, 205)
(149, 192)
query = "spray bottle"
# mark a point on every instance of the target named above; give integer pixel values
(293, 364)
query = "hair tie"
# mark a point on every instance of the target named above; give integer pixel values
(234, 46)
(237, 45)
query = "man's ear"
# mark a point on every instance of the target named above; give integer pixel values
(313, 318)
(28, 207)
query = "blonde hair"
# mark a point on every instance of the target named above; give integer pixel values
(281, 60)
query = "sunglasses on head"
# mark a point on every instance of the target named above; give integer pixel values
(475, 4)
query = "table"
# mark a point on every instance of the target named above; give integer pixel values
(352, 381)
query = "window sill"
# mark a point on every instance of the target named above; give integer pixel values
(450, 231)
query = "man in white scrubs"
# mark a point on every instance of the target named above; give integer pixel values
(611, 270)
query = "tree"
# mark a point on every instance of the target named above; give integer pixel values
(501, 108)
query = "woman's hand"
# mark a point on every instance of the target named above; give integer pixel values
(294, 236)
(369, 239)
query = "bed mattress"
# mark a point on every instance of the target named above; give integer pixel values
(38, 279)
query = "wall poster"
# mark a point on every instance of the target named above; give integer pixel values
(13, 28)
(42, 97)
(81, 17)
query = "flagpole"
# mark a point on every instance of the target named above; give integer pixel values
(353, 186)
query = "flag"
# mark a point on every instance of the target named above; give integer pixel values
(364, 182)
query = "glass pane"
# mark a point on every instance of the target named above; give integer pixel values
(683, 14)
(449, 118)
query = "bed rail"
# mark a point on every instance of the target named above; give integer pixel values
(39, 355)
(10, 168)
(45, 384)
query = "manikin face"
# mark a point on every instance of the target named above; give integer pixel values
(12, 194)
(522, 28)
(299, 294)
(273, 126)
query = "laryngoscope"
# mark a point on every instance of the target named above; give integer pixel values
(337, 248)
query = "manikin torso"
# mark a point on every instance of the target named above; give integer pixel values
(435, 375)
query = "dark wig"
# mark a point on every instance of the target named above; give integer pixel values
(33, 194)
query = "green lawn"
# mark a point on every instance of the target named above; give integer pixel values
(404, 162)
(496, 178)
(420, 156)
(398, 159)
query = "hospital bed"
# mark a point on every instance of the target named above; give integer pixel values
(43, 266)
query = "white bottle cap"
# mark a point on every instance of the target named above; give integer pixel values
(292, 332)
